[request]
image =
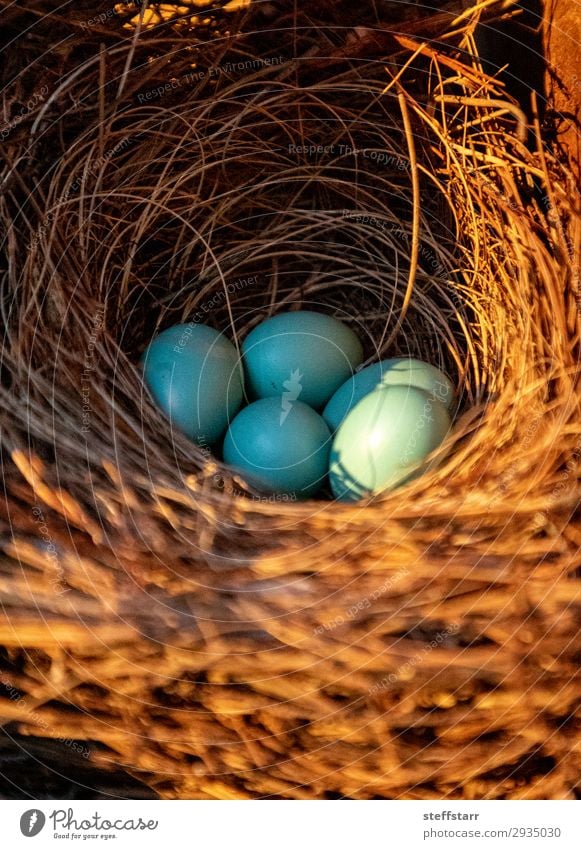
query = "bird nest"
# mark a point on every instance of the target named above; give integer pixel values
(161, 616)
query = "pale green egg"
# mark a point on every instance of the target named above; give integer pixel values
(300, 355)
(195, 376)
(384, 440)
(401, 371)
(279, 447)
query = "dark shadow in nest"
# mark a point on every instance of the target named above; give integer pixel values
(41, 768)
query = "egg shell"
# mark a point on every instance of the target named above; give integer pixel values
(401, 371)
(279, 448)
(195, 376)
(384, 439)
(305, 355)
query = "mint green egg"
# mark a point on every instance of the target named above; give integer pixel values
(384, 439)
(279, 447)
(402, 371)
(193, 373)
(300, 355)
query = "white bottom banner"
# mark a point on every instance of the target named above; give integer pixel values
(292, 825)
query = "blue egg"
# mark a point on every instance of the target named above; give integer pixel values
(279, 447)
(300, 355)
(402, 371)
(384, 440)
(195, 376)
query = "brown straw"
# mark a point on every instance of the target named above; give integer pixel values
(213, 644)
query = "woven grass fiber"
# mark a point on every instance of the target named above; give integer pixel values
(158, 615)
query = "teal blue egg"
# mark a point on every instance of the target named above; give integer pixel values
(279, 447)
(194, 375)
(402, 371)
(384, 439)
(300, 356)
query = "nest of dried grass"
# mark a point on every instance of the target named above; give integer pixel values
(155, 610)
